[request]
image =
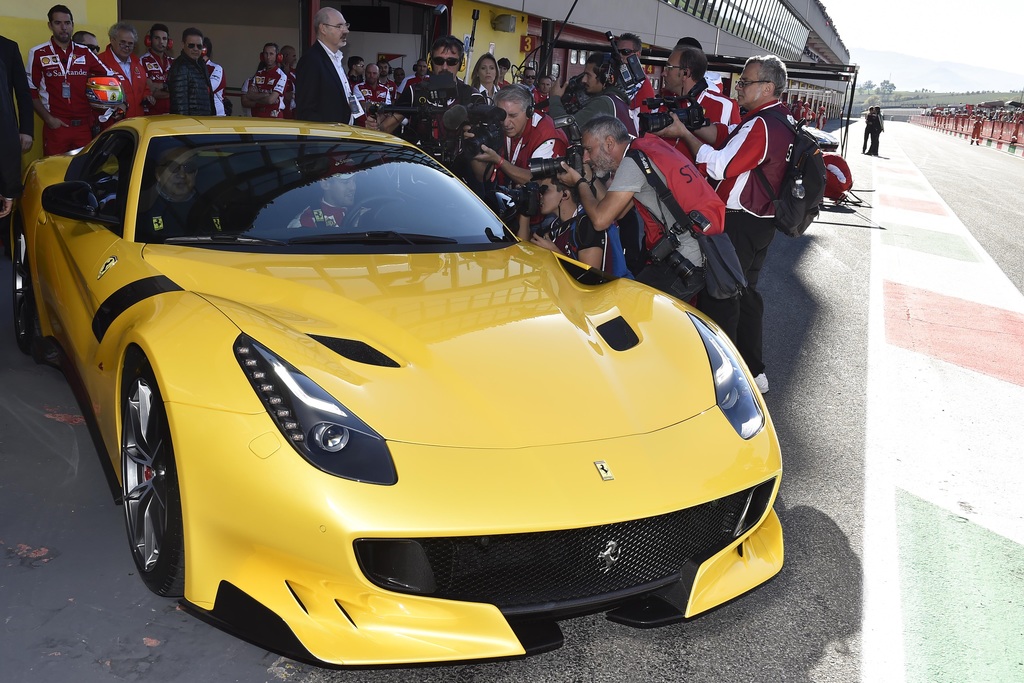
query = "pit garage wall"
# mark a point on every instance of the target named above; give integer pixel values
(488, 39)
(25, 23)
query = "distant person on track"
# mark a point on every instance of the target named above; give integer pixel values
(874, 128)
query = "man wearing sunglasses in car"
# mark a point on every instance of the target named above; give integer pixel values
(188, 81)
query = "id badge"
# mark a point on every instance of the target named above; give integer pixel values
(355, 106)
(65, 90)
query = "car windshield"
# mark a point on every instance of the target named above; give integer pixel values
(306, 194)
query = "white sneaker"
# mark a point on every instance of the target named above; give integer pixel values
(762, 383)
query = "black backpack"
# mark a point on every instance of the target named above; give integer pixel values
(803, 185)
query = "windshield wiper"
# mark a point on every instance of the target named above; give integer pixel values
(222, 239)
(373, 237)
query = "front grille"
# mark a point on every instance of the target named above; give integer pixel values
(519, 570)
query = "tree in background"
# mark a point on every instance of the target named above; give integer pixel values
(887, 89)
(868, 85)
(872, 101)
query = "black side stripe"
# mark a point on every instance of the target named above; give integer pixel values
(126, 297)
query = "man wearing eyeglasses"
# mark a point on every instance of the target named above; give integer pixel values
(684, 74)
(759, 144)
(322, 91)
(188, 81)
(119, 57)
(58, 71)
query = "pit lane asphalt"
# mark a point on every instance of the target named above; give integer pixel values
(73, 610)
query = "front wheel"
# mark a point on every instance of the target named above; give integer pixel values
(149, 485)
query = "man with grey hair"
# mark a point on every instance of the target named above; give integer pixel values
(322, 91)
(528, 134)
(120, 58)
(612, 152)
(747, 156)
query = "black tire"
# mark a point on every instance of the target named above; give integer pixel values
(26, 318)
(149, 485)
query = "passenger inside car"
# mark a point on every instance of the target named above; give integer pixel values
(172, 208)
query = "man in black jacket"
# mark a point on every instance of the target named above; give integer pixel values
(188, 80)
(15, 129)
(322, 91)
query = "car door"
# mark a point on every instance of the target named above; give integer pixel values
(88, 262)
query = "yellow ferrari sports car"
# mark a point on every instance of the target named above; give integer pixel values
(353, 419)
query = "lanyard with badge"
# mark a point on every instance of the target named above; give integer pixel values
(65, 88)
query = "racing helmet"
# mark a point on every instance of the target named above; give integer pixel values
(104, 92)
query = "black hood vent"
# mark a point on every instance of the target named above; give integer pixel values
(619, 335)
(358, 351)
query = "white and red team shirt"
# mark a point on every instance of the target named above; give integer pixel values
(57, 77)
(759, 141)
(218, 85)
(266, 81)
(378, 94)
(391, 86)
(718, 108)
(156, 70)
(540, 140)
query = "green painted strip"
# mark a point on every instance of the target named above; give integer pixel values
(927, 241)
(962, 589)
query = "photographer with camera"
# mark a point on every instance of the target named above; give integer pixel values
(566, 229)
(673, 254)
(527, 135)
(438, 93)
(605, 95)
(744, 160)
(684, 73)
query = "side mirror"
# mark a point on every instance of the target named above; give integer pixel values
(74, 199)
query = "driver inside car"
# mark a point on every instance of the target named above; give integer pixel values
(339, 195)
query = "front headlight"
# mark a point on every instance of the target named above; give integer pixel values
(734, 394)
(322, 430)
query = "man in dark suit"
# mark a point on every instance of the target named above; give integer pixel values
(16, 122)
(322, 91)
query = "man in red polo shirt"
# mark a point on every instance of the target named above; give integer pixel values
(58, 70)
(157, 62)
(263, 93)
(528, 134)
(119, 58)
(373, 91)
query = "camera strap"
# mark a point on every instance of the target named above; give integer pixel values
(665, 195)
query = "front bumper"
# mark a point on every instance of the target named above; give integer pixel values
(270, 540)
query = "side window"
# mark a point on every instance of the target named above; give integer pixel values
(107, 172)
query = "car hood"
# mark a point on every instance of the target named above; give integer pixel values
(498, 348)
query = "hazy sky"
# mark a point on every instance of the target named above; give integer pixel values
(979, 32)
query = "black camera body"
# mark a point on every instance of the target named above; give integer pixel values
(575, 95)
(525, 198)
(549, 168)
(686, 107)
(629, 71)
(485, 125)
